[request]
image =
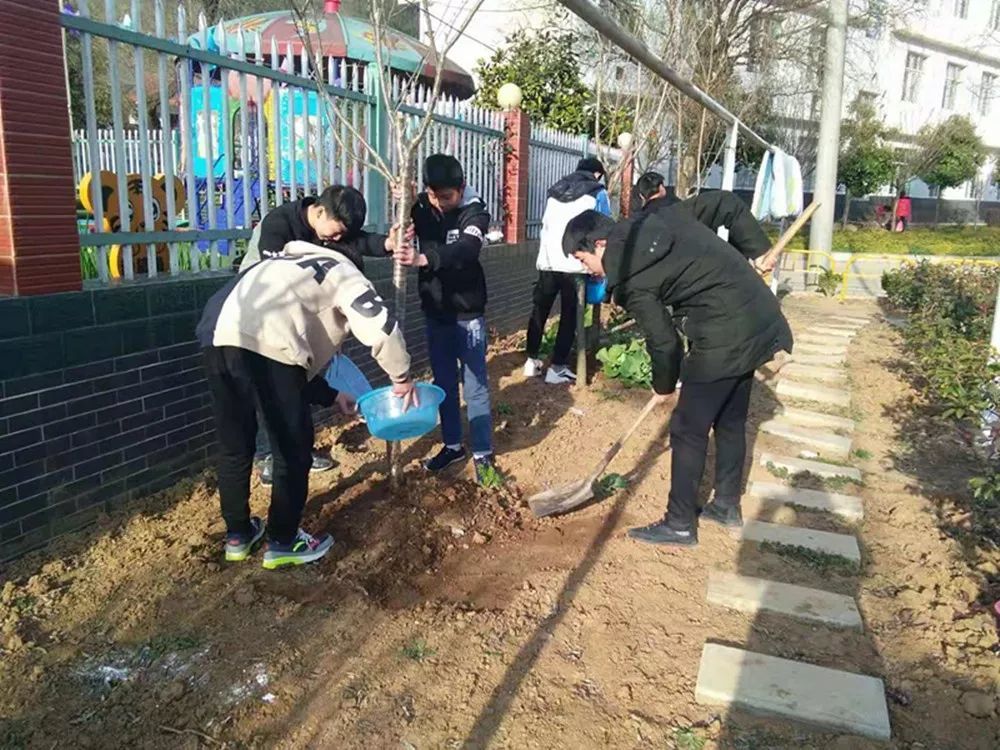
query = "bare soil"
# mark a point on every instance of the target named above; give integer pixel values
(449, 617)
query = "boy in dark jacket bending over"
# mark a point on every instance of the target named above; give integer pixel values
(451, 221)
(733, 323)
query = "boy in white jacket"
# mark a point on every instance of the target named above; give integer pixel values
(557, 273)
(265, 337)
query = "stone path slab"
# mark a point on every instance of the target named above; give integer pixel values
(828, 443)
(808, 392)
(826, 698)
(833, 332)
(820, 469)
(817, 339)
(830, 350)
(808, 418)
(814, 372)
(842, 545)
(754, 595)
(822, 359)
(844, 506)
(856, 319)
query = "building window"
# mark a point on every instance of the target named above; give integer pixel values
(952, 77)
(962, 8)
(995, 16)
(987, 91)
(911, 78)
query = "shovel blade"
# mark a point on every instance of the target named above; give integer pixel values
(561, 499)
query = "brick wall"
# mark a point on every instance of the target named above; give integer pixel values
(102, 398)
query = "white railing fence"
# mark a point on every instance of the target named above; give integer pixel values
(155, 142)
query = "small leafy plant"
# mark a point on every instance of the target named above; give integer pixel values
(628, 362)
(611, 483)
(418, 650)
(504, 409)
(828, 281)
(986, 491)
(491, 478)
(813, 558)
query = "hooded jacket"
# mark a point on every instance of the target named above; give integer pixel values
(731, 320)
(452, 285)
(571, 196)
(299, 307)
(287, 223)
(717, 209)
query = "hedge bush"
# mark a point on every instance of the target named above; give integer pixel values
(948, 339)
(961, 241)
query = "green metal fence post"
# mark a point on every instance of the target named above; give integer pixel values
(378, 137)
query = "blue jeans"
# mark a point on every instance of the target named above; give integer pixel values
(462, 346)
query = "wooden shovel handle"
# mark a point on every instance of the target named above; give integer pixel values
(617, 445)
(790, 233)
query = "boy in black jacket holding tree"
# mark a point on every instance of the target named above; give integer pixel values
(450, 222)
(681, 276)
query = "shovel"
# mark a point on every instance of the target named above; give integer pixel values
(566, 498)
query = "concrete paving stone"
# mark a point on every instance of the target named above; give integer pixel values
(814, 372)
(831, 699)
(845, 506)
(808, 392)
(815, 419)
(755, 595)
(820, 469)
(829, 444)
(842, 545)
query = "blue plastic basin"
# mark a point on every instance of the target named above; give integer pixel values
(386, 420)
(597, 289)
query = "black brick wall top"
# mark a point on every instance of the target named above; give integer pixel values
(102, 397)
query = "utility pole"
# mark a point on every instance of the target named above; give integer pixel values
(825, 192)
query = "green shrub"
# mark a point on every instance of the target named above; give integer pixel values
(628, 362)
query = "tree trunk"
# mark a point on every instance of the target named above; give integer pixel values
(847, 208)
(937, 210)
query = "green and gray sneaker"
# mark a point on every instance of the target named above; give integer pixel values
(240, 546)
(303, 549)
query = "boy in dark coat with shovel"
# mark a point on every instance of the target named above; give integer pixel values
(733, 325)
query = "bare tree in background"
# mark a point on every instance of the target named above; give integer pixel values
(407, 131)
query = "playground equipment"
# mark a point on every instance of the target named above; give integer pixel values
(113, 205)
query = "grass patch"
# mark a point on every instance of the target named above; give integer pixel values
(504, 409)
(778, 471)
(418, 650)
(609, 394)
(821, 561)
(688, 739)
(861, 454)
(965, 241)
(22, 604)
(167, 644)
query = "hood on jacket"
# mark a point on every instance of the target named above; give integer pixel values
(574, 186)
(633, 246)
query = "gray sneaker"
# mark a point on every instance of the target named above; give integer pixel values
(320, 464)
(240, 546)
(305, 548)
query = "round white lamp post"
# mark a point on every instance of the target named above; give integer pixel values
(509, 96)
(625, 141)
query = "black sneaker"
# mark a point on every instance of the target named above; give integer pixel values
(445, 458)
(725, 515)
(660, 533)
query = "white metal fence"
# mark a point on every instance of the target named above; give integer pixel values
(553, 154)
(131, 143)
(251, 130)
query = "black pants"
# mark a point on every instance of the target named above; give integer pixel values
(552, 284)
(722, 405)
(239, 381)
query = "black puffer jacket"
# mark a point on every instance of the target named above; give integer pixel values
(716, 209)
(731, 320)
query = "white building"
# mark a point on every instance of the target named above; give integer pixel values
(923, 62)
